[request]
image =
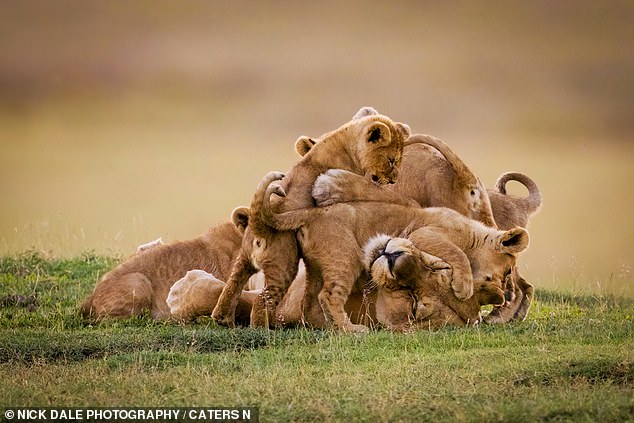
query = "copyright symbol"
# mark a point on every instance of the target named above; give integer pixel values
(9, 414)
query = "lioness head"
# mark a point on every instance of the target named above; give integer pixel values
(414, 288)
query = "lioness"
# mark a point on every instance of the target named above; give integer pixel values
(331, 239)
(371, 145)
(143, 281)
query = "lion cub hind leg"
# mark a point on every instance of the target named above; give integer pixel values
(338, 282)
(125, 296)
(194, 295)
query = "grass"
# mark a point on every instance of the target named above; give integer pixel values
(571, 360)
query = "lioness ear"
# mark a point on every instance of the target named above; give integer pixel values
(365, 111)
(513, 241)
(304, 144)
(404, 130)
(240, 218)
(377, 133)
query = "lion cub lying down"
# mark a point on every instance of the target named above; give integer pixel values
(417, 296)
(331, 240)
(142, 282)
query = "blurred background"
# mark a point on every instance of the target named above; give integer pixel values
(122, 122)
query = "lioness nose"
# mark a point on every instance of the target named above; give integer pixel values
(391, 258)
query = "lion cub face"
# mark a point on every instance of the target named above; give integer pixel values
(379, 147)
(494, 261)
(381, 151)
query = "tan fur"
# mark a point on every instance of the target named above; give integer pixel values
(420, 296)
(435, 179)
(510, 210)
(474, 251)
(370, 146)
(432, 176)
(196, 294)
(390, 304)
(143, 281)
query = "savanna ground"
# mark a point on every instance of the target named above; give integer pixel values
(572, 359)
(122, 123)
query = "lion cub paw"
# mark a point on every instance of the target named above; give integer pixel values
(330, 187)
(463, 289)
(194, 295)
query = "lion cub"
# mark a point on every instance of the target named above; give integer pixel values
(432, 175)
(143, 281)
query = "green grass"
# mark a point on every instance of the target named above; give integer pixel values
(571, 360)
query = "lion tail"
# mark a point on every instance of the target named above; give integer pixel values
(86, 308)
(464, 173)
(533, 201)
(262, 214)
(462, 170)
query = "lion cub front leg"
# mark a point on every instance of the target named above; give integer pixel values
(341, 186)
(279, 263)
(225, 309)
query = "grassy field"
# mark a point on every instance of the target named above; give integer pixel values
(571, 360)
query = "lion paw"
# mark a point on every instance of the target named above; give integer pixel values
(330, 187)
(193, 295)
(223, 319)
(463, 289)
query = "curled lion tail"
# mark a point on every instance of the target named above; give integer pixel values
(533, 201)
(264, 217)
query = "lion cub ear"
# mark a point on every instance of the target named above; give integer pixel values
(304, 144)
(404, 129)
(513, 241)
(240, 218)
(365, 111)
(378, 133)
